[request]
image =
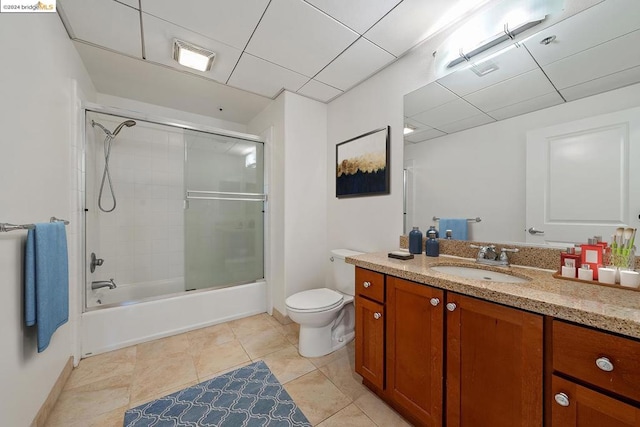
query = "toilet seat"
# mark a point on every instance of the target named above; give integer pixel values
(322, 299)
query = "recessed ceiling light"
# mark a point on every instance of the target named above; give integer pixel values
(192, 56)
(408, 129)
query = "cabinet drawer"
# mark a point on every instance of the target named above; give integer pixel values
(599, 358)
(370, 284)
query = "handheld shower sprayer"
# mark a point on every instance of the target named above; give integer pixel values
(106, 176)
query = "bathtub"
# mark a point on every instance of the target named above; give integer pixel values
(133, 292)
(105, 328)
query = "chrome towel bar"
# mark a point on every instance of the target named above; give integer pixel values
(4, 227)
(476, 219)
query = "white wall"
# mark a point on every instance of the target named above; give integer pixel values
(482, 171)
(297, 194)
(39, 123)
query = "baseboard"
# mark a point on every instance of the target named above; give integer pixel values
(282, 318)
(46, 408)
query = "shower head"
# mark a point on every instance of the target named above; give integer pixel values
(127, 123)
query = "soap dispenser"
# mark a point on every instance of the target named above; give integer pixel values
(415, 241)
(433, 247)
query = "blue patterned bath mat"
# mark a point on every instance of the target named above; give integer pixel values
(250, 396)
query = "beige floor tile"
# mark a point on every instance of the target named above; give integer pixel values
(251, 325)
(160, 394)
(350, 416)
(323, 360)
(341, 372)
(379, 412)
(224, 371)
(216, 358)
(287, 364)
(264, 343)
(212, 335)
(163, 347)
(89, 401)
(159, 374)
(102, 366)
(316, 396)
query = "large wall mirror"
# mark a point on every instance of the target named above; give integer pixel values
(466, 154)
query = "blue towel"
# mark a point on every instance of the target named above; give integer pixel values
(46, 280)
(458, 227)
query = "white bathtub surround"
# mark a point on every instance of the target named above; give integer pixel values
(112, 328)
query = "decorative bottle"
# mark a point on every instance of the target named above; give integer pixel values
(433, 247)
(415, 241)
(433, 228)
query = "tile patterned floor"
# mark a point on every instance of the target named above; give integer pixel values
(327, 389)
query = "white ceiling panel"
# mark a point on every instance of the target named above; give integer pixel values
(92, 21)
(599, 61)
(603, 84)
(355, 64)
(359, 15)
(415, 20)
(596, 25)
(509, 63)
(531, 84)
(264, 78)
(120, 75)
(132, 3)
(426, 98)
(318, 90)
(229, 21)
(467, 123)
(448, 113)
(307, 39)
(544, 101)
(423, 135)
(158, 40)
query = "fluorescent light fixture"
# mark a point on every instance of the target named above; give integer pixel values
(506, 34)
(408, 129)
(192, 56)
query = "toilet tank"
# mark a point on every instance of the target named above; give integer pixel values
(343, 274)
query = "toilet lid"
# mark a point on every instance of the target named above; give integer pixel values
(314, 299)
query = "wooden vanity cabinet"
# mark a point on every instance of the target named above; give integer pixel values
(415, 325)
(596, 378)
(370, 321)
(494, 364)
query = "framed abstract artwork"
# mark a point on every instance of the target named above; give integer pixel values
(362, 164)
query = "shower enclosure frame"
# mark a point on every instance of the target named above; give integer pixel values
(159, 120)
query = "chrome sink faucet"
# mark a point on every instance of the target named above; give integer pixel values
(103, 284)
(487, 255)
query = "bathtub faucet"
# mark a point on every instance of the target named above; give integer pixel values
(103, 284)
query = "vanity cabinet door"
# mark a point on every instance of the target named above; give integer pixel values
(494, 364)
(415, 349)
(370, 320)
(577, 406)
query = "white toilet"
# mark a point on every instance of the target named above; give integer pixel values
(326, 316)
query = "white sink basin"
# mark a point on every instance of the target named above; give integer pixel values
(478, 274)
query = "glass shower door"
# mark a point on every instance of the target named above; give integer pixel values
(224, 215)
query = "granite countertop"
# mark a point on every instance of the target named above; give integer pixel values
(612, 309)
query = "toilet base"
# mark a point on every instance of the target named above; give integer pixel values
(320, 341)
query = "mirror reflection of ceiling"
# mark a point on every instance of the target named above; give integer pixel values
(593, 51)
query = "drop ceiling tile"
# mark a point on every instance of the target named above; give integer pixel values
(607, 58)
(229, 21)
(359, 61)
(596, 25)
(509, 63)
(531, 84)
(264, 78)
(602, 84)
(450, 112)
(467, 123)
(544, 101)
(158, 40)
(318, 90)
(423, 135)
(359, 15)
(132, 3)
(426, 98)
(413, 21)
(92, 21)
(307, 39)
